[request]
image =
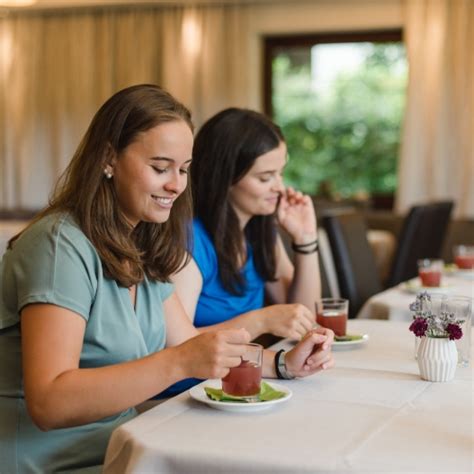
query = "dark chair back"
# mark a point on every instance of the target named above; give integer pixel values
(422, 236)
(325, 289)
(353, 258)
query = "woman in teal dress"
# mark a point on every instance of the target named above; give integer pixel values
(90, 325)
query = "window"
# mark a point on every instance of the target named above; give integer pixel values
(339, 100)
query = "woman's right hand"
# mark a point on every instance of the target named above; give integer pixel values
(288, 320)
(210, 355)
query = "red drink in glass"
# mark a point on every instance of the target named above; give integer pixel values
(335, 320)
(430, 278)
(465, 262)
(244, 380)
(332, 313)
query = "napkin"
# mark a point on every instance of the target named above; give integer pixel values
(267, 393)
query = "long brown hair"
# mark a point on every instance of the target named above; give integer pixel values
(225, 148)
(154, 250)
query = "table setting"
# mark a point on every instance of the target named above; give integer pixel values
(435, 277)
(371, 413)
(202, 394)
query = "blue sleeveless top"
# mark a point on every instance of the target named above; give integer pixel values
(215, 303)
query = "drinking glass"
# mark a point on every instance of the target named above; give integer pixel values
(461, 306)
(244, 380)
(332, 313)
(429, 271)
(464, 256)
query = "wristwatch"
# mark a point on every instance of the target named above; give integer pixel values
(280, 366)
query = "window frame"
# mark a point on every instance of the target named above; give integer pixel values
(272, 42)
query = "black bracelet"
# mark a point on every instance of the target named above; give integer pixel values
(276, 360)
(302, 246)
(303, 250)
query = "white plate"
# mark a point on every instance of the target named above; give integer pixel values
(199, 394)
(348, 344)
(414, 286)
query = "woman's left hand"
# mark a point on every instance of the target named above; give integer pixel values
(311, 354)
(296, 215)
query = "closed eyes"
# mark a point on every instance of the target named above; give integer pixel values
(165, 170)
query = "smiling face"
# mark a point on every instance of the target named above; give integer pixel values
(151, 172)
(258, 191)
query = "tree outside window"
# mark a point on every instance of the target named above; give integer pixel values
(340, 106)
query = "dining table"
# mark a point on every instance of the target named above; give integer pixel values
(394, 303)
(371, 412)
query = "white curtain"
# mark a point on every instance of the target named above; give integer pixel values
(205, 57)
(437, 159)
(57, 68)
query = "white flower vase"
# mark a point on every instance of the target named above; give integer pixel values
(437, 359)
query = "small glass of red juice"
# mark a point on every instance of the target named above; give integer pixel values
(430, 271)
(464, 256)
(244, 380)
(332, 313)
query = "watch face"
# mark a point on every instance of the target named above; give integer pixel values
(282, 367)
(281, 361)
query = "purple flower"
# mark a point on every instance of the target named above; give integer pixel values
(454, 331)
(419, 326)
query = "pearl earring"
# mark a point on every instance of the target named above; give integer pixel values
(107, 173)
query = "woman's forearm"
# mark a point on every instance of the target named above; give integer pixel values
(81, 396)
(268, 366)
(305, 287)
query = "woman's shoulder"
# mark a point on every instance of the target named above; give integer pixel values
(56, 229)
(202, 250)
(54, 224)
(198, 227)
(201, 237)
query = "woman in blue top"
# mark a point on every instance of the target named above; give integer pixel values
(89, 324)
(238, 260)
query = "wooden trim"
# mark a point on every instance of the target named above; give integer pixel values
(271, 42)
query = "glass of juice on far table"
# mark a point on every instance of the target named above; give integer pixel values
(332, 313)
(244, 380)
(430, 271)
(464, 256)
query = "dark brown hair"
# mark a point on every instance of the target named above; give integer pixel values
(154, 250)
(225, 149)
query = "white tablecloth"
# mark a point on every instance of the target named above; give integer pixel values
(371, 413)
(393, 304)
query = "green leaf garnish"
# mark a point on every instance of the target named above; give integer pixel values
(348, 337)
(267, 393)
(219, 396)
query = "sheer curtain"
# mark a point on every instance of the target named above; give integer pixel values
(205, 60)
(437, 159)
(57, 68)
